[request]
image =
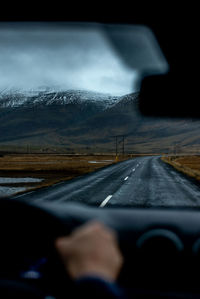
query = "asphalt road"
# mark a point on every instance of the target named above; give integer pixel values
(144, 181)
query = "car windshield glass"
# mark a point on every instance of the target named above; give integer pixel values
(70, 125)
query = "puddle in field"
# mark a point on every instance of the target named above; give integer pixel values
(5, 191)
(11, 190)
(4, 180)
(104, 161)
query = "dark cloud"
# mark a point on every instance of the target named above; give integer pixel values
(69, 56)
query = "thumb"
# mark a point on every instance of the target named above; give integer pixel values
(62, 244)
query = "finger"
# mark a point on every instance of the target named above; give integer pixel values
(96, 227)
(88, 228)
(63, 243)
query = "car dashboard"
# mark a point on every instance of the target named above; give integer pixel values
(161, 247)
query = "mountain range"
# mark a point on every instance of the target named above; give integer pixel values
(85, 121)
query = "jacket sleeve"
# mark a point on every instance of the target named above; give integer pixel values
(96, 287)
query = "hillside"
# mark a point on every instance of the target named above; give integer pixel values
(88, 121)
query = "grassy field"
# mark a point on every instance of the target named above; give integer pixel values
(189, 165)
(52, 168)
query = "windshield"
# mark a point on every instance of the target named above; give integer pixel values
(70, 125)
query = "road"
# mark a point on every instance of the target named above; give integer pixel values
(144, 181)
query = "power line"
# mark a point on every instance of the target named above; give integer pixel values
(117, 142)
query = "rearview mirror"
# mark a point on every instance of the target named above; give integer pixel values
(171, 95)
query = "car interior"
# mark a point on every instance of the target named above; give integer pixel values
(160, 241)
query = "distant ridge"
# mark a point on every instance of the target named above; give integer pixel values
(78, 120)
(18, 99)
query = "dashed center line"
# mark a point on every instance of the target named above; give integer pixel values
(126, 178)
(105, 201)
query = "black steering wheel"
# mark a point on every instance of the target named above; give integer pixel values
(29, 263)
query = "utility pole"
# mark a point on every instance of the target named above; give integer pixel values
(116, 146)
(119, 139)
(176, 149)
(123, 146)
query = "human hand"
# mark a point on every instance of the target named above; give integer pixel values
(91, 249)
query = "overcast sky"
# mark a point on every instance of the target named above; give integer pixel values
(73, 58)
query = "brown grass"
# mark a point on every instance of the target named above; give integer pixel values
(189, 165)
(51, 167)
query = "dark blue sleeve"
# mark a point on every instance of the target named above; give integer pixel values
(96, 287)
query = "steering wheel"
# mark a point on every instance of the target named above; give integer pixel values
(29, 263)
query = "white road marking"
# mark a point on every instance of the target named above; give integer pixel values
(105, 201)
(24, 194)
(126, 178)
(58, 184)
(133, 169)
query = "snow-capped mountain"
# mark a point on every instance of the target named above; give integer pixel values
(61, 117)
(33, 98)
(83, 120)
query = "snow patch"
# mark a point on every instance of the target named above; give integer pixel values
(10, 99)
